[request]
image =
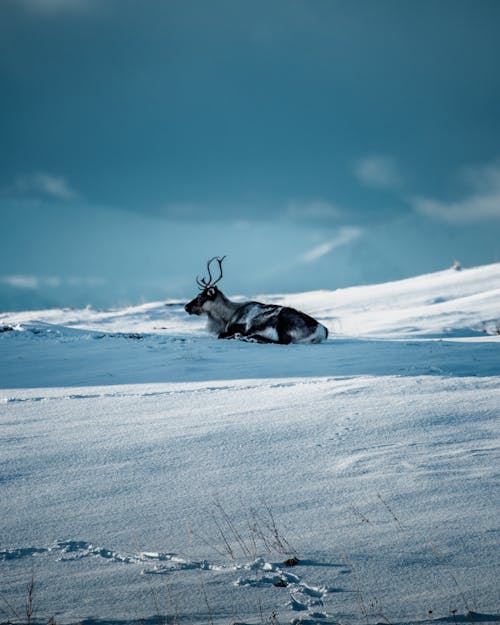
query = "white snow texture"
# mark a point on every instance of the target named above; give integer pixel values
(152, 473)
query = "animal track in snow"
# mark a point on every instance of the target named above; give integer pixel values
(302, 597)
(21, 552)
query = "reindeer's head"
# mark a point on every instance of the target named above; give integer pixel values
(201, 303)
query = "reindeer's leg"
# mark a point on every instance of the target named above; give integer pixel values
(232, 331)
(227, 335)
(258, 338)
(236, 332)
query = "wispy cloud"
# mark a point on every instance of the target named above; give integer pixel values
(317, 209)
(45, 184)
(21, 282)
(24, 281)
(346, 234)
(378, 171)
(481, 203)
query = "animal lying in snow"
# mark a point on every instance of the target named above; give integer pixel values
(252, 321)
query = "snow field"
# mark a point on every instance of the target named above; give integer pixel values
(150, 471)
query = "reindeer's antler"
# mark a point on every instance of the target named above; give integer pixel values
(219, 260)
(203, 283)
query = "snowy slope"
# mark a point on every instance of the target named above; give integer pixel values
(150, 471)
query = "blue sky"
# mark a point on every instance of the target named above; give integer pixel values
(318, 144)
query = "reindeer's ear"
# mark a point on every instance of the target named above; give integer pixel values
(211, 292)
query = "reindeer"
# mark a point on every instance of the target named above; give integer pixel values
(251, 321)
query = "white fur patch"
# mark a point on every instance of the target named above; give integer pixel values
(269, 333)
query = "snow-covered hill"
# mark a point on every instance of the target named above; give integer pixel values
(150, 471)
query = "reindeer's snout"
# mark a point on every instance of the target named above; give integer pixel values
(193, 307)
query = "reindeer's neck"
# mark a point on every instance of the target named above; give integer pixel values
(220, 312)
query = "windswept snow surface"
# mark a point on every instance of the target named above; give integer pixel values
(150, 471)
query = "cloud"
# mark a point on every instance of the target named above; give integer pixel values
(49, 185)
(313, 209)
(22, 281)
(481, 203)
(380, 172)
(346, 234)
(30, 282)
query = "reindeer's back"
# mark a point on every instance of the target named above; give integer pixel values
(252, 314)
(280, 324)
